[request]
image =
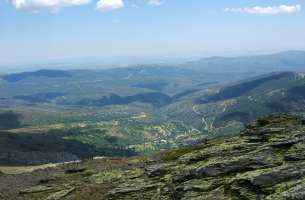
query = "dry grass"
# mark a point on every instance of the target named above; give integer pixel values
(24, 169)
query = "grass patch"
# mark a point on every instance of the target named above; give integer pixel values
(177, 153)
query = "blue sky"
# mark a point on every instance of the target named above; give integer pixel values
(42, 30)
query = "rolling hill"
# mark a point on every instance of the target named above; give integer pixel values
(141, 109)
(284, 61)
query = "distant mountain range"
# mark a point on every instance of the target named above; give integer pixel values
(285, 61)
(40, 73)
(142, 109)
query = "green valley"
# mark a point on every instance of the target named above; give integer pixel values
(56, 116)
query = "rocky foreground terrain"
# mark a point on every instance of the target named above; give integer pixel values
(266, 161)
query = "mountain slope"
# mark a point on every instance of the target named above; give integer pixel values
(225, 109)
(245, 87)
(266, 161)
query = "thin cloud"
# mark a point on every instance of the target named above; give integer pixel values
(109, 5)
(270, 10)
(155, 2)
(134, 5)
(36, 5)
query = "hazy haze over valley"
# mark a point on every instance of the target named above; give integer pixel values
(71, 34)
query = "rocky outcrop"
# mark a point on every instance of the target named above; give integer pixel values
(61, 194)
(264, 162)
(267, 161)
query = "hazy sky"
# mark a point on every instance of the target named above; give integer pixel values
(38, 30)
